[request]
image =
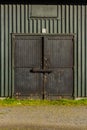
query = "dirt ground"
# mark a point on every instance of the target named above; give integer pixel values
(43, 118)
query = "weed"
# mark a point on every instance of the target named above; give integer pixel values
(17, 102)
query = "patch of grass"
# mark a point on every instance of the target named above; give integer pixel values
(17, 102)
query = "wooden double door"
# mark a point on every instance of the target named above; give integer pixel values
(43, 66)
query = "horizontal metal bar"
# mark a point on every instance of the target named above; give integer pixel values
(34, 70)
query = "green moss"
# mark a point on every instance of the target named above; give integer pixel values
(17, 102)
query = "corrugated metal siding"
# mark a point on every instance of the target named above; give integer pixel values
(71, 19)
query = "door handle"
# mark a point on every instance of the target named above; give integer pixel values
(35, 70)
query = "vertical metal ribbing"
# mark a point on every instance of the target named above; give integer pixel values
(59, 21)
(22, 19)
(63, 18)
(79, 52)
(83, 51)
(14, 30)
(0, 50)
(42, 24)
(14, 21)
(51, 26)
(56, 23)
(39, 26)
(55, 26)
(34, 26)
(86, 46)
(9, 47)
(18, 19)
(75, 49)
(6, 49)
(71, 19)
(67, 19)
(47, 25)
(25, 18)
(30, 26)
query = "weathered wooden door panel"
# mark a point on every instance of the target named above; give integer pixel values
(27, 54)
(58, 51)
(27, 84)
(59, 83)
(27, 51)
(58, 55)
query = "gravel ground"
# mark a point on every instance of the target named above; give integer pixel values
(43, 118)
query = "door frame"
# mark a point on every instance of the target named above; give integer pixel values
(13, 35)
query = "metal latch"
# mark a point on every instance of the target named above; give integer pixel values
(35, 70)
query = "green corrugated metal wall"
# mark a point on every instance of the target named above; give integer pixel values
(71, 19)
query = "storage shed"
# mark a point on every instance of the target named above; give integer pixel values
(43, 49)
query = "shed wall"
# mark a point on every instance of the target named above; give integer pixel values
(71, 19)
